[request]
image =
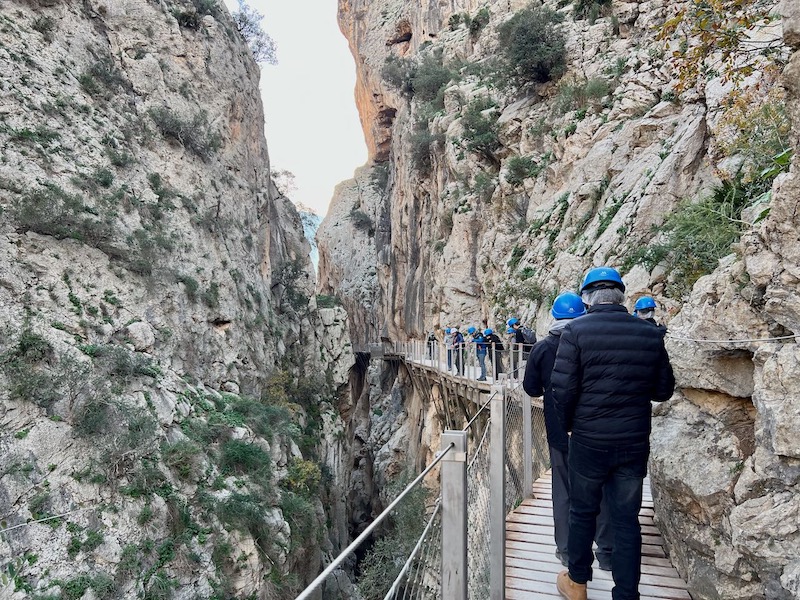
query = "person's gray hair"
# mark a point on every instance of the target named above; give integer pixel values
(603, 296)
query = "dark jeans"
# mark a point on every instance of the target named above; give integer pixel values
(558, 464)
(497, 364)
(622, 469)
(603, 536)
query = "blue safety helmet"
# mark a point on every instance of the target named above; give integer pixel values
(471, 330)
(644, 303)
(512, 321)
(510, 330)
(447, 330)
(488, 332)
(602, 277)
(568, 306)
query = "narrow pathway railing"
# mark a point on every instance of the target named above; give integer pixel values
(486, 469)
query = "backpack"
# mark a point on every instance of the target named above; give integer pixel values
(529, 335)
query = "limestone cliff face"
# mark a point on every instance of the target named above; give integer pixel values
(466, 239)
(468, 243)
(726, 458)
(162, 356)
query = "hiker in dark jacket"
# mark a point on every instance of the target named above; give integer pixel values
(496, 351)
(566, 307)
(458, 349)
(524, 339)
(609, 366)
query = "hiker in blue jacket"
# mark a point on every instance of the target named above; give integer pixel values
(481, 348)
(609, 366)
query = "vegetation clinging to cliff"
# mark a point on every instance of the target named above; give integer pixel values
(701, 231)
(533, 46)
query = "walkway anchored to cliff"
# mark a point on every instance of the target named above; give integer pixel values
(489, 534)
(531, 564)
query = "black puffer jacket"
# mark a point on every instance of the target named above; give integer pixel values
(537, 383)
(608, 368)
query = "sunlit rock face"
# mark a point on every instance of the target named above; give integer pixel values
(466, 240)
(155, 296)
(736, 504)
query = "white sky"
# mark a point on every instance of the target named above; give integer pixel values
(312, 124)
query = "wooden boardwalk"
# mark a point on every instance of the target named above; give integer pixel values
(531, 565)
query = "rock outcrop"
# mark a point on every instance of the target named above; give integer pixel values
(581, 171)
(731, 516)
(164, 370)
(469, 240)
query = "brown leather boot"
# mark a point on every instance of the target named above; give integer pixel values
(569, 589)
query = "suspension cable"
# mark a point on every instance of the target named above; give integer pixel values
(742, 341)
(416, 549)
(372, 526)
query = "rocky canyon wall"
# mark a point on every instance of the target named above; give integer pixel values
(164, 370)
(442, 228)
(464, 240)
(726, 458)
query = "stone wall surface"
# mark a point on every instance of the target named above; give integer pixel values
(465, 243)
(755, 538)
(157, 309)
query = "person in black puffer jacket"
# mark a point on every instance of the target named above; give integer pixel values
(608, 368)
(567, 306)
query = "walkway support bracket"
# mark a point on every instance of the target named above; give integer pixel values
(454, 516)
(497, 495)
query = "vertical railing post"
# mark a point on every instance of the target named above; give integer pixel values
(527, 446)
(454, 516)
(497, 494)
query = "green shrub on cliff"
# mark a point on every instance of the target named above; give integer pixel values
(430, 78)
(424, 81)
(533, 46)
(701, 232)
(248, 22)
(754, 129)
(481, 131)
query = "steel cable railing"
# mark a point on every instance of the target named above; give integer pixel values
(416, 583)
(523, 455)
(371, 527)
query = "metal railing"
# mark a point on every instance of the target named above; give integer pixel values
(463, 361)
(486, 470)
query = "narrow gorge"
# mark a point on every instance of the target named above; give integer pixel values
(653, 147)
(188, 410)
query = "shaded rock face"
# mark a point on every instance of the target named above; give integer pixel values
(732, 516)
(157, 313)
(464, 241)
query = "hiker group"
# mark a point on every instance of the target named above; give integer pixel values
(598, 370)
(486, 344)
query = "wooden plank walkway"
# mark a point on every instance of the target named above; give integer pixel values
(531, 565)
